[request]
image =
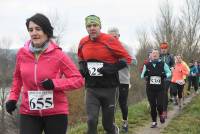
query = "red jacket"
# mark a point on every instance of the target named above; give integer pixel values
(105, 48)
(52, 64)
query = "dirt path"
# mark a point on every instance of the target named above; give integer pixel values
(171, 114)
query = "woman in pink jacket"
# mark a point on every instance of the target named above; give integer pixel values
(179, 71)
(42, 74)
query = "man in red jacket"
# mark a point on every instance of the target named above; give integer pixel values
(101, 56)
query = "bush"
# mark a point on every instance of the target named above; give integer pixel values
(76, 106)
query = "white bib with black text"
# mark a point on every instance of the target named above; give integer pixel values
(39, 100)
(155, 80)
(93, 68)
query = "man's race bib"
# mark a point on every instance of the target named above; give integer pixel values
(39, 100)
(93, 67)
(155, 80)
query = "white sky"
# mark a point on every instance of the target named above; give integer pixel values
(128, 15)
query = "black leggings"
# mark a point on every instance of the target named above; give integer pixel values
(155, 98)
(166, 89)
(193, 80)
(54, 124)
(177, 89)
(103, 98)
(123, 96)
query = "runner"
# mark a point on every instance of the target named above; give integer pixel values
(155, 71)
(101, 56)
(168, 58)
(193, 76)
(177, 83)
(124, 79)
(40, 66)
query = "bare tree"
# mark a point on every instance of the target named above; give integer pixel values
(60, 25)
(4, 68)
(73, 54)
(190, 22)
(163, 31)
(145, 45)
(168, 28)
(137, 91)
(4, 76)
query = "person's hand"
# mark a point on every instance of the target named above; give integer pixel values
(172, 69)
(11, 106)
(121, 64)
(193, 74)
(83, 68)
(163, 75)
(146, 78)
(112, 68)
(47, 84)
(109, 69)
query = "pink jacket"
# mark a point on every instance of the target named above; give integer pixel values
(52, 64)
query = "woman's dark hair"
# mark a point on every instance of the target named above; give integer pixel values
(42, 21)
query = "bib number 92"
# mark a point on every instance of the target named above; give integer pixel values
(93, 68)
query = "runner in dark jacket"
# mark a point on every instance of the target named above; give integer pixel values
(155, 72)
(124, 79)
(193, 76)
(168, 58)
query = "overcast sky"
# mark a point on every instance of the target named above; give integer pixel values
(128, 15)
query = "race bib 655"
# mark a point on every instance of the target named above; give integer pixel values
(39, 100)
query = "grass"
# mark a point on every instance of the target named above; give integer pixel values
(138, 117)
(188, 121)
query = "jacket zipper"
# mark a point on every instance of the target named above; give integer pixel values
(35, 76)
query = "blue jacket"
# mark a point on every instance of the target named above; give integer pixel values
(193, 71)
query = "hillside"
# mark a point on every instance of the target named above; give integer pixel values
(139, 119)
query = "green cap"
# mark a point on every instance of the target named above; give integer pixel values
(92, 19)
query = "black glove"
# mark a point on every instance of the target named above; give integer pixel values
(11, 106)
(146, 74)
(108, 69)
(112, 68)
(83, 68)
(48, 84)
(121, 64)
(163, 75)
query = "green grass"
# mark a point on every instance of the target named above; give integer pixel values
(188, 121)
(138, 117)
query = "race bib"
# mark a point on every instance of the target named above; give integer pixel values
(93, 67)
(156, 80)
(39, 100)
(180, 82)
